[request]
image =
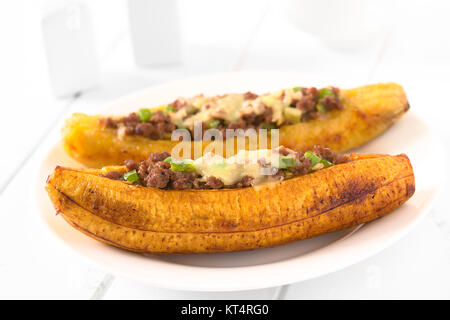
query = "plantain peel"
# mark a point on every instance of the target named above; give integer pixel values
(151, 220)
(368, 111)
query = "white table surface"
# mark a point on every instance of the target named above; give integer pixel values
(414, 52)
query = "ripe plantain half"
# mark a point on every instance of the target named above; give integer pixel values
(146, 219)
(368, 111)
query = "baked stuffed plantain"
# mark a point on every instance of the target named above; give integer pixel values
(255, 199)
(339, 119)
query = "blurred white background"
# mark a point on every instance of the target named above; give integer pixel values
(362, 41)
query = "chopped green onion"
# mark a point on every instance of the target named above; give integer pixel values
(326, 163)
(190, 167)
(313, 157)
(222, 164)
(269, 126)
(177, 166)
(131, 176)
(288, 174)
(321, 107)
(295, 89)
(316, 159)
(144, 114)
(213, 124)
(325, 92)
(169, 109)
(286, 162)
(183, 165)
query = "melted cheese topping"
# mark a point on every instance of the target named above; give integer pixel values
(245, 163)
(225, 108)
(231, 107)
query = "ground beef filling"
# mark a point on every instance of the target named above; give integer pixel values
(248, 121)
(159, 126)
(308, 104)
(310, 101)
(156, 173)
(329, 155)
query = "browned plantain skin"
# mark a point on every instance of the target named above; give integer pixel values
(145, 219)
(368, 111)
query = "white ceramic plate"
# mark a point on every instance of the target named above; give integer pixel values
(264, 267)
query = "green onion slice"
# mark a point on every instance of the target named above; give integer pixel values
(286, 162)
(325, 92)
(315, 159)
(169, 109)
(326, 163)
(144, 114)
(321, 107)
(186, 165)
(296, 89)
(213, 124)
(131, 176)
(222, 164)
(182, 166)
(269, 125)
